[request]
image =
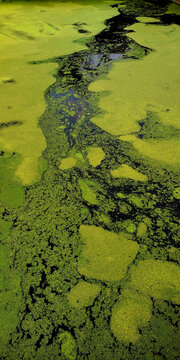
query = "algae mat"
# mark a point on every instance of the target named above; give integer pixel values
(29, 32)
(89, 192)
(140, 87)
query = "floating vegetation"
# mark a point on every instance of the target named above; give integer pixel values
(89, 223)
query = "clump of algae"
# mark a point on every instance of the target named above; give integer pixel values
(10, 296)
(157, 279)
(128, 172)
(87, 193)
(30, 32)
(148, 279)
(83, 294)
(139, 86)
(11, 191)
(67, 163)
(105, 255)
(129, 315)
(95, 156)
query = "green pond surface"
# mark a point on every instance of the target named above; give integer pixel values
(89, 180)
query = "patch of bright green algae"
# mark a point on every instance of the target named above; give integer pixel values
(141, 230)
(137, 87)
(95, 156)
(105, 255)
(87, 193)
(129, 315)
(33, 31)
(144, 19)
(11, 191)
(10, 297)
(83, 294)
(67, 163)
(176, 193)
(157, 279)
(68, 346)
(148, 279)
(128, 172)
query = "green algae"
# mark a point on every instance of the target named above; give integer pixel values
(156, 278)
(11, 191)
(108, 254)
(176, 193)
(121, 195)
(95, 156)
(83, 294)
(10, 297)
(67, 163)
(45, 244)
(141, 230)
(130, 315)
(135, 200)
(127, 171)
(33, 32)
(156, 96)
(129, 226)
(87, 193)
(146, 19)
(68, 346)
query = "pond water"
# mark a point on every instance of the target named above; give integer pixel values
(89, 186)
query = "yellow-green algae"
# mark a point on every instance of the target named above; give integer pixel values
(36, 31)
(83, 294)
(10, 296)
(128, 172)
(144, 19)
(105, 255)
(87, 193)
(11, 191)
(141, 230)
(157, 279)
(67, 163)
(176, 193)
(173, 9)
(95, 156)
(129, 315)
(139, 86)
(68, 345)
(148, 279)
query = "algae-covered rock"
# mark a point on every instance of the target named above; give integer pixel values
(128, 172)
(105, 255)
(95, 156)
(87, 193)
(129, 315)
(67, 163)
(83, 294)
(156, 278)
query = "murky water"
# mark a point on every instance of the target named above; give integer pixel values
(89, 140)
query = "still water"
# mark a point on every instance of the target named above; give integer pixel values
(89, 186)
